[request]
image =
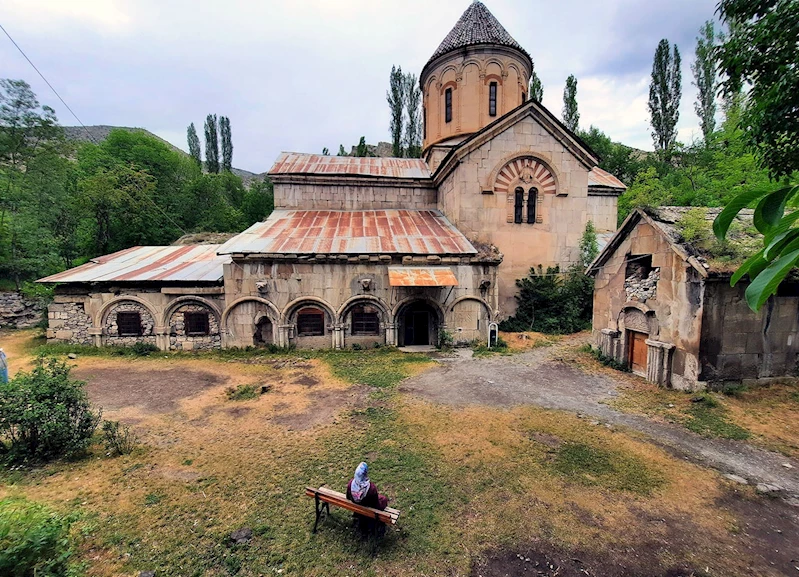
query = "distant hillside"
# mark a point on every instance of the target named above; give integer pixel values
(98, 133)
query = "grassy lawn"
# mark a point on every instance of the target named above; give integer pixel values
(468, 481)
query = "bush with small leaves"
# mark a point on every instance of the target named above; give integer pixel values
(118, 439)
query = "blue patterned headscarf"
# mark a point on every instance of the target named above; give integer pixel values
(360, 483)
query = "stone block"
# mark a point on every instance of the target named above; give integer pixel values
(63, 335)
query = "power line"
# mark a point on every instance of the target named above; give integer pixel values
(88, 132)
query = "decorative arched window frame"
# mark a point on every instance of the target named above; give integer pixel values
(531, 174)
(448, 105)
(309, 320)
(532, 205)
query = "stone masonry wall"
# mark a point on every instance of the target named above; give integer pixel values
(68, 322)
(111, 330)
(314, 196)
(18, 312)
(179, 340)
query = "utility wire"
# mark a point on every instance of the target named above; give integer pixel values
(88, 132)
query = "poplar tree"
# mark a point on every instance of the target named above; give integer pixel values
(571, 118)
(194, 145)
(413, 116)
(211, 144)
(362, 149)
(536, 89)
(227, 143)
(706, 79)
(341, 151)
(665, 92)
(395, 96)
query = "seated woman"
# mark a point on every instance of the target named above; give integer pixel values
(362, 491)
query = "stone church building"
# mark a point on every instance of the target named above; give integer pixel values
(373, 250)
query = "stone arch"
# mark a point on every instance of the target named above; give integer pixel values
(330, 326)
(250, 321)
(347, 325)
(539, 156)
(290, 309)
(180, 301)
(419, 321)
(468, 319)
(472, 60)
(528, 169)
(638, 316)
(493, 60)
(148, 319)
(407, 300)
(471, 298)
(175, 323)
(351, 302)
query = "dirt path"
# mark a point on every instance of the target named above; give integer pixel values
(542, 378)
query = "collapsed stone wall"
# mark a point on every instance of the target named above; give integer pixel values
(18, 312)
(642, 288)
(180, 341)
(68, 322)
(111, 329)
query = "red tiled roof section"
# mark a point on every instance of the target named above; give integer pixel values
(296, 163)
(599, 177)
(410, 232)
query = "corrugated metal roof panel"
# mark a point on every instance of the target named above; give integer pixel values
(192, 263)
(422, 232)
(297, 163)
(599, 177)
(421, 276)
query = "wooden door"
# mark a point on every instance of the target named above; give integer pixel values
(637, 351)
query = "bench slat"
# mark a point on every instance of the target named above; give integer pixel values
(388, 516)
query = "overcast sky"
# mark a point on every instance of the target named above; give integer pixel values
(301, 75)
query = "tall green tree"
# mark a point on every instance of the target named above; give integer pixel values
(362, 149)
(227, 143)
(341, 151)
(705, 69)
(395, 96)
(571, 117)
(413, 116)
(194, 145)
(665, 91)
(536, 88)
(211, 144)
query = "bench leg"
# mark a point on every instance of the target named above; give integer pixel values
(320, 509)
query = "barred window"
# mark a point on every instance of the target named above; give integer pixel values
(129, 324)
(492, 99)
(518, 205)
(365, 321)
(196, 323)
(448, 105)
(311, 322)
(532, 199)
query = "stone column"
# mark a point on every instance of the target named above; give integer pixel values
(607, 343)
(658, 362)
(391, 334)
(96, 333)
(284, 335)
(162, 337)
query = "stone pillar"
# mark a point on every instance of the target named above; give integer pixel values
(161, 337)
(284, 335)
(391, 335)
(658, 362)
(607, 343)
(338, 337)
(96, 333)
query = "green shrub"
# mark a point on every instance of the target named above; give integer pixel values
(445, 340)
(734, 389)
(34, 541)
(242, 393)
(605, 359)
(44, 414)
(357, 347)
(144, 349)
(118, 439)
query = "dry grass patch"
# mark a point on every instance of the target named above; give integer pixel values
(518, 342)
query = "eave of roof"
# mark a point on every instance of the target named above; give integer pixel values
(318, 165)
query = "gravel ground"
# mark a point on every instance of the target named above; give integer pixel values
(539, 378)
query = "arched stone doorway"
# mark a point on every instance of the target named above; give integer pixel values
(248, 323)
(264, 332)
(417, 324)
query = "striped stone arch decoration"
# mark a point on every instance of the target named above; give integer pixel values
(526, 172)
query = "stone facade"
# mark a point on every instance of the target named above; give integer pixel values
(361, 194)
(68, 322)
(180, 340)
(111, 332)
(18, 312)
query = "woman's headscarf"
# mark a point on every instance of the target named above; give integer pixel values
(360, 483)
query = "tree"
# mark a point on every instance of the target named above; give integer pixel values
(571, 118)
(536, 88)
(259, 202)
(665, 91)
(761, 50)
(413, 116)
(706, 79)
(341, 151)
(589, 246)
(227, 143)
(395, 96)
(325, 151)
(194, 145)
(619, 160)
(362, 149)
(211, 145)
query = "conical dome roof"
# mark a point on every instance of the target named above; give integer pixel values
(477, 26)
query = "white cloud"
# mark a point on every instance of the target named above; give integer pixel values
(104, 17)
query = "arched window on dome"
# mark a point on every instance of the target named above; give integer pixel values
(518, 205)
(532, 200)
(448, 105)
(492, 99)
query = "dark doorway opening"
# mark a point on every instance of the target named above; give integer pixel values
(263, 332)
(418, 325)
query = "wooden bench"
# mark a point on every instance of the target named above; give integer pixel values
(324, 497)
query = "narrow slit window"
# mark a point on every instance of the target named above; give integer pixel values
(448, 105)
(129, 324)
(532, 200)
(424, 123)
(492, 99)
(196, 323)
(518, 205)
(311, 323)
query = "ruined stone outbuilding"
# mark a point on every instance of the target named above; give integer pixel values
(374, 251)
(664, 306)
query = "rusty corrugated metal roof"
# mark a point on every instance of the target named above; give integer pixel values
(421, 232)
(599, 177)
(421, 276)
(193, 263)
(297, 163)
